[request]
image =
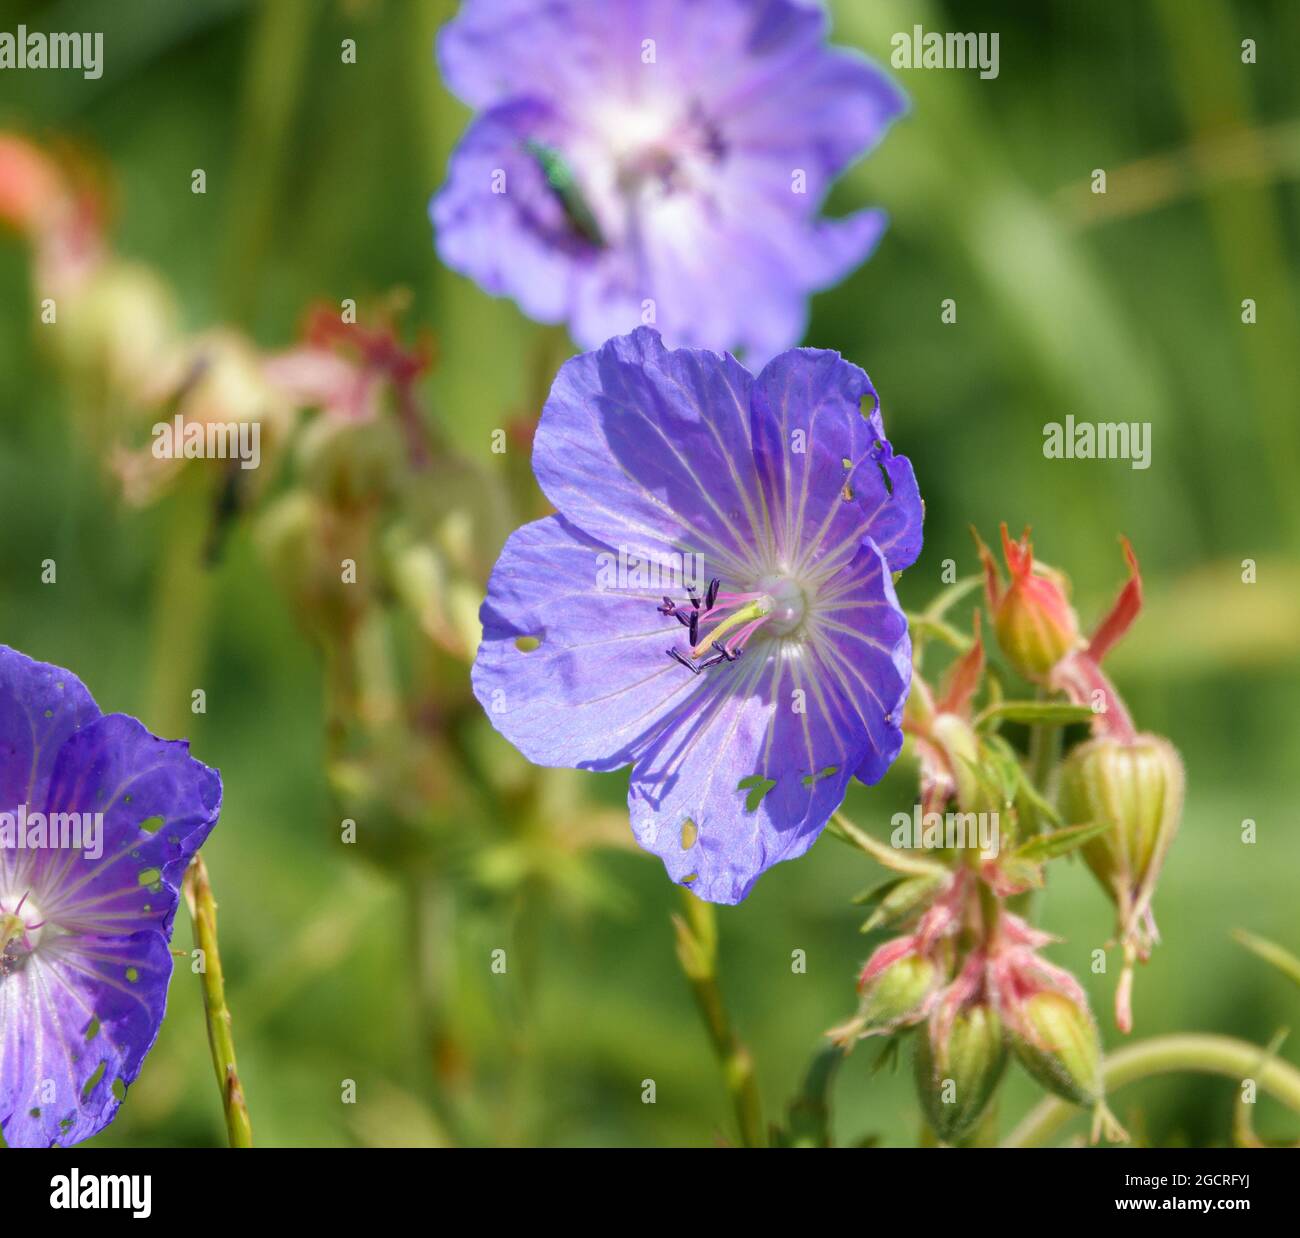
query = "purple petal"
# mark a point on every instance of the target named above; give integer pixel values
(862, 645)
(644, 446)
(812, 106)
(600, 678)
(77, 1019)
(742, 99)
(41, 706)
(717, 760)
(116, 767)
(813, 411)
(497, 221)
(556, 49)
(80, 1010)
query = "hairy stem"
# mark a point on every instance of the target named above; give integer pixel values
(1163, 1055)
(697, 950)
(203, 913)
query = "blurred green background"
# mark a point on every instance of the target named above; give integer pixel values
(1117, 307)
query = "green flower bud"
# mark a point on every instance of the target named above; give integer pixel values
(1057, 1042)
(1137, 789)
(897, 993)
(892, 994)
(957, 1081)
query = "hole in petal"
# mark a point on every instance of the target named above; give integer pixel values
(526, 644)
(149, 876)
(92, 1028)
(151, 825)
(690, 832)
(885, 477)
(132, 974)
(757, 786)
(93, 1082)
(810, 780)
(869, 404)
(119, 1089)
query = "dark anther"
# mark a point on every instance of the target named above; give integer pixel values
(727, 655)
(695, 600)
(685, 618)
(677, 656)
(712, 596)
(695, 628)
(668, 608)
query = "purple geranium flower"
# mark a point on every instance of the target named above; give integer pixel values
(657, 162)
(98, 820)
(713, 603)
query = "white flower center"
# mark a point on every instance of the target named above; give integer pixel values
(789, 604)
(21, 927)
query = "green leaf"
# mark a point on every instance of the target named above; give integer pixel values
(1042, 809)
(1061, 842)
(895, 901)
(873, 896)
(1057, 712)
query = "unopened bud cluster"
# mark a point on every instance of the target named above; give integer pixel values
(967, 970)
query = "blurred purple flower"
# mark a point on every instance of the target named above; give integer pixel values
(86, 906)
(657, 162)
(713, 603)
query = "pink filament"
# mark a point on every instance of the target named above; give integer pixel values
(739, 637)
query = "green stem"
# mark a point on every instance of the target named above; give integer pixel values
(889, 857)
(1045, 739)
(1163, 1055)
(203, 913)
(697, 950)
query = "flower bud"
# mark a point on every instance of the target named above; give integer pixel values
(1135, 786)
(1056, 1041)
(1034, 621)
(1137, 789)
(956, 1078)
(897, 993)
(892, 993)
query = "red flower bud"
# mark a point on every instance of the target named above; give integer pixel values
(1034, 621)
